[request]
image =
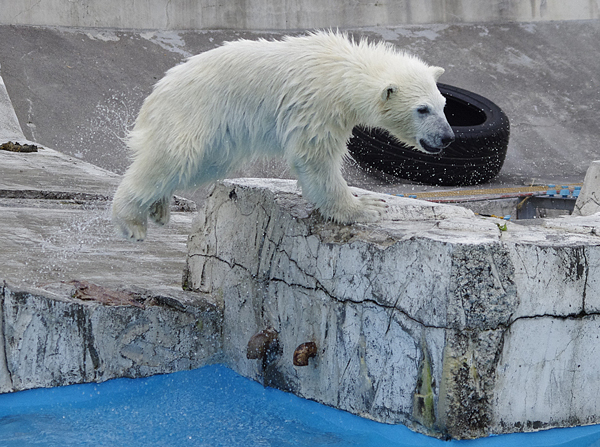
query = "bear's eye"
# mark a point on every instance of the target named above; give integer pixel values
(424, 110)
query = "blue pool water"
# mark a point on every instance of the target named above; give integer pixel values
(214, 406)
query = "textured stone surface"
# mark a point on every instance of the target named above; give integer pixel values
(51, 339)
(547, 371)
(588, 202)
(10, 130)
(270, 14)
(428, 318)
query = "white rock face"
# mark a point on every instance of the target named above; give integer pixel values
(449, 323)
(50, 339)
(588, 202)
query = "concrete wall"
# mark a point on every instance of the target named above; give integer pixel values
(289, 14)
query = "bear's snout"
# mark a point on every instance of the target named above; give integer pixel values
(440, 143)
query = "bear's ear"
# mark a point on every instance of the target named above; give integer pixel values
(388, 91)
(437, 72)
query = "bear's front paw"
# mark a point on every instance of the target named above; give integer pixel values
(371, 209)
(363, 209)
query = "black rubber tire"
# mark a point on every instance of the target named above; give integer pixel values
(476, 156)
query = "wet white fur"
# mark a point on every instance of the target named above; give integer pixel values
(299, 98)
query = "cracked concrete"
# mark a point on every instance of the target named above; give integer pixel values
(427, 318)
(50, 338)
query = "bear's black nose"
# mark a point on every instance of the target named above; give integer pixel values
(447, 140)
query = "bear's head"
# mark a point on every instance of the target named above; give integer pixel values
(412, 109)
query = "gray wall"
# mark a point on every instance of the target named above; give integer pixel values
(284, 14)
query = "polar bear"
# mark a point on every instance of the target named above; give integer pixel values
(298, 98)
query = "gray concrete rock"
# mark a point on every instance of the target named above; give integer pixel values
(588, 201)
(270, 14)
(50, 338)
(455, 325)
(9, 123)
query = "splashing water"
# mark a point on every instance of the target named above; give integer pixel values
(82, 233)
(101, 141)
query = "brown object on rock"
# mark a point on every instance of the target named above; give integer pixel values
(16, 147)
(304, 352)
(262, 343)
(91, 292)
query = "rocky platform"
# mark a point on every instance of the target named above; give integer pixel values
(455, 325)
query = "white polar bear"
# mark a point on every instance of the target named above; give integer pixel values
(298, 98)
